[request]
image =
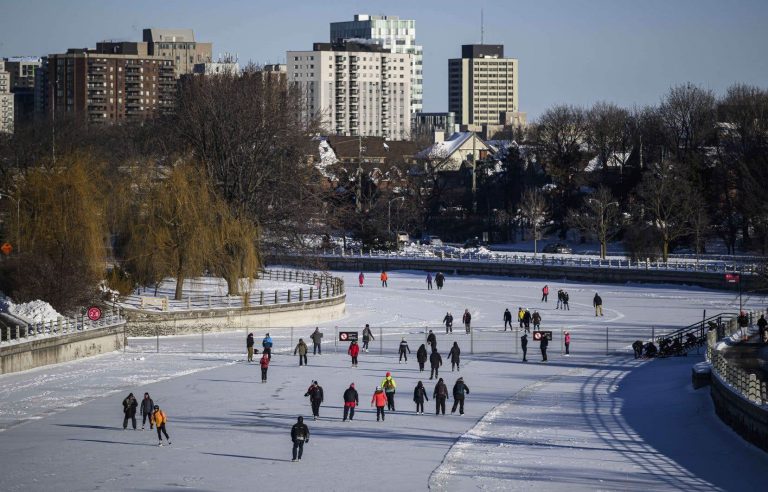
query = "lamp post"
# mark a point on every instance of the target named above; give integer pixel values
(389, 217)
(18, 221)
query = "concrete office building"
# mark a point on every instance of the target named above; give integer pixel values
(482, 85)
(427, 124)
(180, 46)
(111, 83)
(6, 101)
(355, 88)
(395, 35)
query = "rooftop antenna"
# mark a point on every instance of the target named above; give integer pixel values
(482, 28)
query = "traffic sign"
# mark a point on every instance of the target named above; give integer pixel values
(347, 336)
(6, 248)
(94, 313)
(732, 278)
(538, 334)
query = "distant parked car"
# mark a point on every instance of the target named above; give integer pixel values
(474, 243)
(431, 241)
(558, 248)
(403, 237)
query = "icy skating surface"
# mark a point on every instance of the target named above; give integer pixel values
(587, 422)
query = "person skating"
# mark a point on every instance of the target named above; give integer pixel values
(299, 435)
(360, 279)
(566, 299)
(543, 346)
(160, 419)
(448, 320)
(536, 319)
(353, 351)
(597, 302)
(266, 344)
(301, 349)
(432, 340)
(351, 400)
(559, 299)
(389, 386)
(520, 315)
(402, 351)
(147, 406)
(524, 346)
(249, 346)
(527, 321)
(545, 293)
(367, 337)
(379, 399)
(317, 340)
(507, 320)
(567, 342)
(467, 320)
(435, 361)
(439, 280)
(384, 278)
(459, 390)
(129, 410)
(429, 281)
(454, 356)
(419, 397)
(264, 363)
(762, 323)
(421, 357)
(315, 394)
(440, 395)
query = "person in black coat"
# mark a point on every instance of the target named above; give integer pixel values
(454, 355)
(527, 320)
(299, 435)
(351, 400)
(419, 397)
(543, 345)
(129, 410)
(507, 319)
(459, 389)
(637, 347)
(524, 346)
(421, 357)
(249, 346)
(440, 395)
(315, 394)
(435, 361)
(432, 340)
(147, 407)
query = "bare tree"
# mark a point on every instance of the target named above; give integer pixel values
(535, 211)
(610, 134)
(600, 216)
(688, 113)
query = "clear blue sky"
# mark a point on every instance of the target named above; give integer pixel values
(570, 51)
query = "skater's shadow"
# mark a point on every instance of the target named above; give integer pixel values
(84, 426)
(100, 441)
(246, 457)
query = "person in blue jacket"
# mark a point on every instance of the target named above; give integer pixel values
(267, 344)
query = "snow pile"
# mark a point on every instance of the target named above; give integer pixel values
(327, 158)
(33, 311)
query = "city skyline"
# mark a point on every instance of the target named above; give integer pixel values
(569, 52)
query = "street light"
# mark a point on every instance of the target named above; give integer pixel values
(389, 217)
(18, 221)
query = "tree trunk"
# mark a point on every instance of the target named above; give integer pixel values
(179, 286)
(603, 249)
(665, 249)
(233, 285)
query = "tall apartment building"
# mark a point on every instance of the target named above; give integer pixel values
(482, 85)
(395, 35)
(6, 100)
(23, 70)
(180, 46)
(115, 82)
(355, 88)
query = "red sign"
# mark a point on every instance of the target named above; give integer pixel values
(732, 278)
(6, 248)
(94, 313)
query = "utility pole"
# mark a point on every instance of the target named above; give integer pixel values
(359, 198)
(474, 176)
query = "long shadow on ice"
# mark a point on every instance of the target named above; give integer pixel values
(246, 457)
(102, 441)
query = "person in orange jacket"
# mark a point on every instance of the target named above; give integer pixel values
(264, 363)
(384, 279)
(379, 399)
(160, 419)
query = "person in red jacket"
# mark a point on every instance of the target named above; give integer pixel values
(379, 399)
(545, 293)
(354, 350)
(361, 278)
(384, 277)
(264, 363)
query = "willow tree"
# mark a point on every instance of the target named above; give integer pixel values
(63, 233)
(235, 254)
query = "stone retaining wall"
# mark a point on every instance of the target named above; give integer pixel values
(750, 421)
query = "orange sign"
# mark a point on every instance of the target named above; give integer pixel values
(6, 248)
